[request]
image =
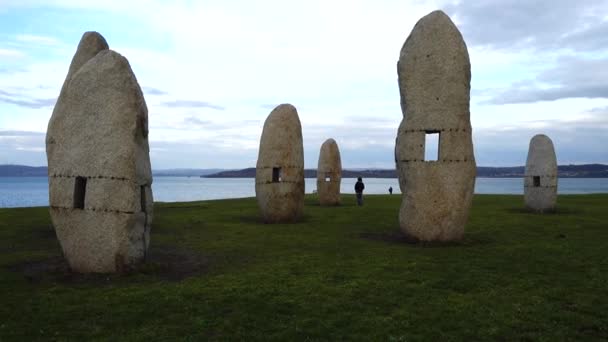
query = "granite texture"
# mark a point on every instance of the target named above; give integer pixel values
(540, 195)
(329, 173)
(434, 75)
(279, 178)
(100, 176)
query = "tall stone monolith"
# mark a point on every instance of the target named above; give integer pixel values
(279, 176)
(329, 173)
(98, 162)
(540, 178)
(434, 83)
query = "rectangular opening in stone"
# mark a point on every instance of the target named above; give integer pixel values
(276, 174)
(327, 177)
(431, 145)
(142, 198)
(536, 181)
(80, 189)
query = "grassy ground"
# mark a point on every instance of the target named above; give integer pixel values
(216, 272)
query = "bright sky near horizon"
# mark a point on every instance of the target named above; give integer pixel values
(212, 71)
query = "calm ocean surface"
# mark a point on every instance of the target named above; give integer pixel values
(33, 191)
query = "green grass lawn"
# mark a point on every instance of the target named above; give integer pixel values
(217, 273)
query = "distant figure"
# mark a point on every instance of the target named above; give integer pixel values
(359, 186)
(390, 190)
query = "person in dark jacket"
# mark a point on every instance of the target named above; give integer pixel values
(390, 190)
(359, 186)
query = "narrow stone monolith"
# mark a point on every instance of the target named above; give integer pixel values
(279, 176)
(98, 162)
(434, 82)
(540, 178)
(329, 173)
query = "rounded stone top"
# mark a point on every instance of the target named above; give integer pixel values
(437, 24)
(90, 45)
(541, 160)
(281, 141)
(435, 75)
(329, 158)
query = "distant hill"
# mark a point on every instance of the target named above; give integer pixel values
(184, 172)
(22, 171)
(308, 173)
(564, 171)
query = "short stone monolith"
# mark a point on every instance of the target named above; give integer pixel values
(98, 162)
(329, 173)
(434, 82)
(540, 178)
(279, 176)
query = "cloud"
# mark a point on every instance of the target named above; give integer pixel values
(570, 77)
(11, 53)
(41, 40)
(190, 104)
(580, 140)
(535, 25)
(196, 121)
(153, 91)
(20, 133)
(30, 103)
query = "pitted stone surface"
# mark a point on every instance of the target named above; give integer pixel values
(97, 145)
(279, 176)
(434, 82)
(540, 178)
(329, 173)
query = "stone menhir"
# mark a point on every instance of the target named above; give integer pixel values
(98, 162)
(434, 83)
(329, 173)
(540, 178)
(279, 175)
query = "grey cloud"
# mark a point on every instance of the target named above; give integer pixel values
(153, 91)
(579, 141)
(532, 24)
(196, 121)
(570, 77)
(20, 133)
(6, 93)
(30, 103)
(191, 104)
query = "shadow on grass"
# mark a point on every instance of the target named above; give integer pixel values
(162, 263)
(398, 237)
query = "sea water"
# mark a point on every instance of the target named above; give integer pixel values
(33, 191)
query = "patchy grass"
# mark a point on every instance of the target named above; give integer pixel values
(216, 273)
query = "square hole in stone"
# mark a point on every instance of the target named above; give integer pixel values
(142, 198)
(276, 174)
(431, 145)
(536, 181)
(80, 189)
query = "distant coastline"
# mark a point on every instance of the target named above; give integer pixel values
(564, 171)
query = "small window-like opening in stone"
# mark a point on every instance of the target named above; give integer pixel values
(80, 189)
(276, 174)
(431, 146)
(536, 181)
(327, 177)
(142, 198)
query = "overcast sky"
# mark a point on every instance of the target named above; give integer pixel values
(211, 72)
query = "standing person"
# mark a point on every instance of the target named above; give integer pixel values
(359, 186)
(390, 190)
